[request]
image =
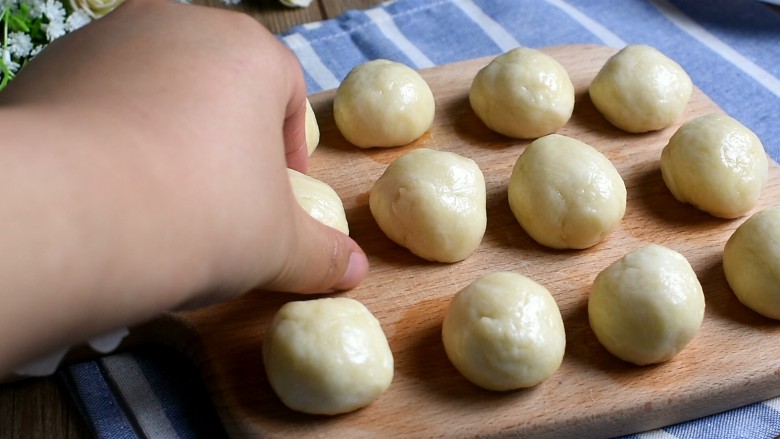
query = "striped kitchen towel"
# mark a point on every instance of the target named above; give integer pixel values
(730, 48)
(154, 392)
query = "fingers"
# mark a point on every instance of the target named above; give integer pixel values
(319, 259)
(295, 119)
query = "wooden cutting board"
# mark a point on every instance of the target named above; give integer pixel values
(734, 360)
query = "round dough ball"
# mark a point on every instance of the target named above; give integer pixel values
(566, 194)
(751, 261)
(523, 93)
(640, 89)
(647, 306)
(327, 356)
(319, 200)
(433, 203)
(312, 129)
(504, 331)
(716, 164)
(383, 103)
(296, 3)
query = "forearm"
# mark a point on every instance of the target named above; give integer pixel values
(143, 169)
(89, 242)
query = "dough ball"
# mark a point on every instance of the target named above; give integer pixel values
(327, 356)
(312, 129)
(645, 307)
(716, 164)
(296, 3)
(383, 103)
(640, 89)
(319, 200)
(523, 93)
(504, 331)
(751, 261)
(433, 203)
(566, 194)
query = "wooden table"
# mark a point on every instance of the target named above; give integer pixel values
(38, 408)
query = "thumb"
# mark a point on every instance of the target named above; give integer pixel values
(320, 259)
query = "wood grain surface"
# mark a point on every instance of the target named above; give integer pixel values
(279, 18)
(734, 360)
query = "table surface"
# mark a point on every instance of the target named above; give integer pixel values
(42, 407)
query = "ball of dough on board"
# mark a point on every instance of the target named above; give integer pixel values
(640, 89)
(504, 331)
(383, 103)
(433, 203)
(327, 356)
(312, 129)
(566, 194)
(319, 200)
(716, 164)
(751, 261)
(523, 93)
(647, 306)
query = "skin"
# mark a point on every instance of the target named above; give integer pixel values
(143, 170)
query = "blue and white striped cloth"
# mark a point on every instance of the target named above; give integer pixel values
(730, 48)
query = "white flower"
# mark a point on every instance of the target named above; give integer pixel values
(76, 20)
(36, 7)
(7, 4)
(19, 44)
(54, 11)
(54, 20)
(36, 50)
(54, 29)
(12, 65)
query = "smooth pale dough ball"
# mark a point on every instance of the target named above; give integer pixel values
(319, 200)
(716, 164)
(327, 356)
(647, 306)
(565, 194)
(751, 261)
(312, 129)
(640, 89)
(433, 203)
(504, 331)
(296, 3)
(383, 103)
(523, 93)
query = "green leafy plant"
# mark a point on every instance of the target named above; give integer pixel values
(30, 25)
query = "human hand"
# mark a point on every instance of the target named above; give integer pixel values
(158, 174)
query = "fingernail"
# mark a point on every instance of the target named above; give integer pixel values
(357, 269)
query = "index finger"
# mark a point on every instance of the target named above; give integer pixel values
(295, 148)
